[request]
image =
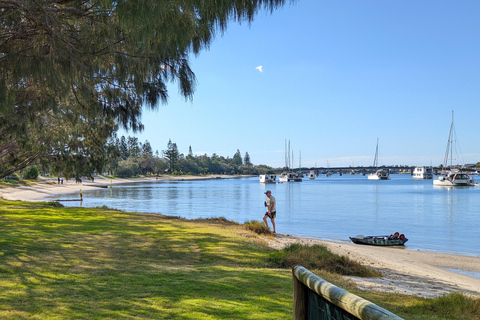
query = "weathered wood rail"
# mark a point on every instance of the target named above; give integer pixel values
(315, 298)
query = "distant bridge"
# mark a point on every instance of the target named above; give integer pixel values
(362, 169)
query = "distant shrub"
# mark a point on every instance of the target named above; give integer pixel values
(319, 257)
(257, 227)
(31, 173)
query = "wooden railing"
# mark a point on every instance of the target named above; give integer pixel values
(315, 298)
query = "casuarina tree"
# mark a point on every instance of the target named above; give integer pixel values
(73, 71)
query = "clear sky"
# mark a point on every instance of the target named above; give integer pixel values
(332, 76)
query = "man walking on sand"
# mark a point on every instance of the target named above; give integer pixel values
(271, 213)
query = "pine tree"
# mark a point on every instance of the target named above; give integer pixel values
(246, 159)
(133, 147)
(124, 148)
(147, 149)
(171, 155)
(237, 158)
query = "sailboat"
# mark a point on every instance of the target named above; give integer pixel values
(452, 177)
(287, 174)
(379, 174)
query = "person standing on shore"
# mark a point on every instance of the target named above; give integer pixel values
(271, 213)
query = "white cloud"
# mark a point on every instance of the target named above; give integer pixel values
(259, 68)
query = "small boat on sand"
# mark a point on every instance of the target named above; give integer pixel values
(392, 240)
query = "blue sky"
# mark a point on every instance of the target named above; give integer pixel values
(336, 75)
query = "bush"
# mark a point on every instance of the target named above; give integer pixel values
(257, 227)
(319, 257)
(31, 173)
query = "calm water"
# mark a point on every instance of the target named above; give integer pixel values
(333, 208)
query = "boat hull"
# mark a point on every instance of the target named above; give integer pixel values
(454, 179)
(378, 241)
(268, 178)
(379, 175)
(289, 176)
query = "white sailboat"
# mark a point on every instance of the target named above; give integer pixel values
(379, 174)
(452, 177)
(287, 174)
(268, 178)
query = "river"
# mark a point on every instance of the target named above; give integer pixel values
(331, 208)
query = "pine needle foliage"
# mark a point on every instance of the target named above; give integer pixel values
(72, 67)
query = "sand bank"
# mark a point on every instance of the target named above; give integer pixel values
(405, 271)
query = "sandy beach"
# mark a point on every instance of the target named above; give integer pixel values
(405, 271)
(50, 186)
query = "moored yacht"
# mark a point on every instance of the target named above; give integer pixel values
(452, 177)
(287, 176)
(422, 173)
(268, 178)
(379, 174)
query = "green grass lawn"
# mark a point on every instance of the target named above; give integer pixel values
(80, 263)
(75, 263)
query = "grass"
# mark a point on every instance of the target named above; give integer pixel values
(257, 227)
(77, 263)
(80, 263)
(317, 257)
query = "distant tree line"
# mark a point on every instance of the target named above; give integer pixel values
(136, 158)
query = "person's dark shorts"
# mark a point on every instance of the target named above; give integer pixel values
(271, 215)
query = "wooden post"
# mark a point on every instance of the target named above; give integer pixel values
(353, 304)
(299, 300)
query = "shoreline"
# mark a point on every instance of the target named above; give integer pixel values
(47, 187)
(421, 273)
(413, 272)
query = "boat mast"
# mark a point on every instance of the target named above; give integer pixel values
(300, 162)
(375, 161)
(452, 130)
(449, 151)
(291, 161)
(289, 164)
